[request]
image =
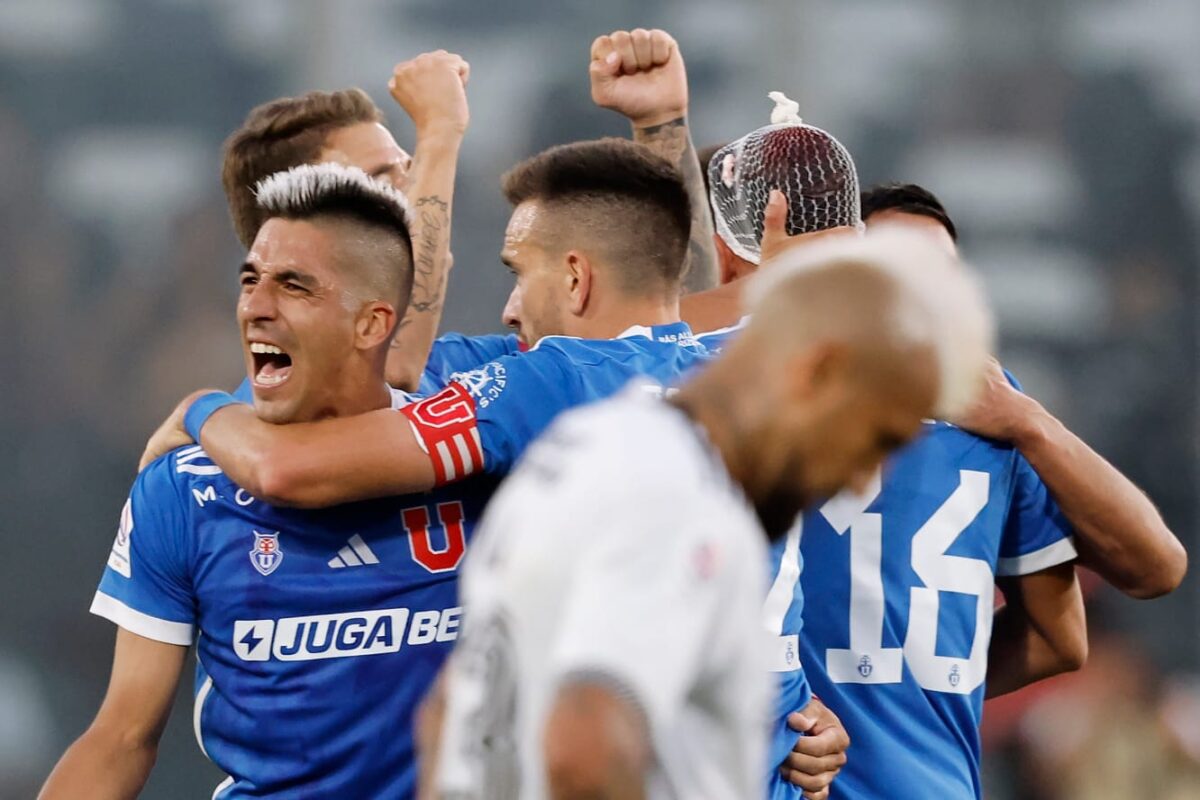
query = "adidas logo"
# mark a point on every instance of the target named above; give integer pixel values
(354, 554)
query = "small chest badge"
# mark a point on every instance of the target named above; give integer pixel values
(266, 555)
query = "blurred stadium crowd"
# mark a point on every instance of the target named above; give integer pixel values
(1062, 136)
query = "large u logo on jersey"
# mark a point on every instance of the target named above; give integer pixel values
(416, 522)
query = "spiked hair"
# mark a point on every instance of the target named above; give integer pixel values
(347, 193)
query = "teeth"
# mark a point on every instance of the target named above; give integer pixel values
(261, 347)
(269, 380)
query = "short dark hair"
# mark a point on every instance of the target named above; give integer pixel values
(704, 155)
(632, 203)
(908, 198)
(279, 134)
(349, 195)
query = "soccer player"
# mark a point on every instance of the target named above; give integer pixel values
(1118, 532)
(613, 644)
(915, 606)
(346, 127)
(303, 620)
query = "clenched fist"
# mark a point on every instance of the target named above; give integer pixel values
(431, 89)
(640, 74)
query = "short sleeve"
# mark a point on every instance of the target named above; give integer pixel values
(642, 606)
(1036, 535)
(485, 418)
(455, 353)
(146, 587)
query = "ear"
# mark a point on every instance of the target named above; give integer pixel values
(731, 265)
(579, 282)
(374, 325)
(816, 369)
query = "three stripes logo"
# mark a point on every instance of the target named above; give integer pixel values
(356, 553)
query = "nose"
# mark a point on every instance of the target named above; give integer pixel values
(511, 316)
(257, 302)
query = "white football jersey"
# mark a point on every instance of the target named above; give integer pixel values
(619, 551)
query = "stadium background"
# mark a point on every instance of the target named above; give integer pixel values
(1061, 133)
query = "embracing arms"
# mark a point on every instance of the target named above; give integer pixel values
(1118, 531)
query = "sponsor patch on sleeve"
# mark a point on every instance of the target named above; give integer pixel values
(447, 429)
(118, 559)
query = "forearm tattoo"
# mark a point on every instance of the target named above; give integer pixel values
(673, 141)
(429, 276)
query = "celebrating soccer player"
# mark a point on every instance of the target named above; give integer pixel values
(903, 655)
(614, 643)
(346, 127)
(302, 620)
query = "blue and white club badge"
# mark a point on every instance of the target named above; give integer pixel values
(266, 555)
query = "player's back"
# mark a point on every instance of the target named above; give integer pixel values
(318, 632)
(900, 588)
(618, 551)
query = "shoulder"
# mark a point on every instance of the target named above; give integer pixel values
(640, 444)
(178, 473)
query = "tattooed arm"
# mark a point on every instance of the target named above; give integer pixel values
(432, 89)
(673, 141)
(641, 75)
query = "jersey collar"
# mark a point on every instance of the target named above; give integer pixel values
(671, 332)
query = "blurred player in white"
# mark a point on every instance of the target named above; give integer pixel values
(613, 644)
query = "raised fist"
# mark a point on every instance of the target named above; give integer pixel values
(431, 89)
(640, 74)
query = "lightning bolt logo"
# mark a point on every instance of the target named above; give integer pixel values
(249, 636)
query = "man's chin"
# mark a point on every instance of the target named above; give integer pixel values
(274, 410)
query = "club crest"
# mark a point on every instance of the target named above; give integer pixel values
(266, 555)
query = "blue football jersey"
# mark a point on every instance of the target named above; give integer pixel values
(486, 417)
(456, 352)
(907, 572)
(897, 644)
(317, 632)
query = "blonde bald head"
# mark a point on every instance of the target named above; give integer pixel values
(891, 295)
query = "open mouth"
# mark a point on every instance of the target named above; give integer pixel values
(272, 365)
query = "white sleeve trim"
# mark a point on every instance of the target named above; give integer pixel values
(160, 630)
(1049, 556)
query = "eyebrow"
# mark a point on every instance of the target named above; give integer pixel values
(293, 275)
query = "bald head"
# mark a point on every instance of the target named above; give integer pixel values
(852, 342)
(892, 297)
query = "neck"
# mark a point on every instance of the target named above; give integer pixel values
(711, 406)
(627, 312)
(354, 395)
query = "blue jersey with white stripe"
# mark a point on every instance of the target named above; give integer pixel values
(898, 644)
(307, 618)
(784, 618)
(318, 632)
